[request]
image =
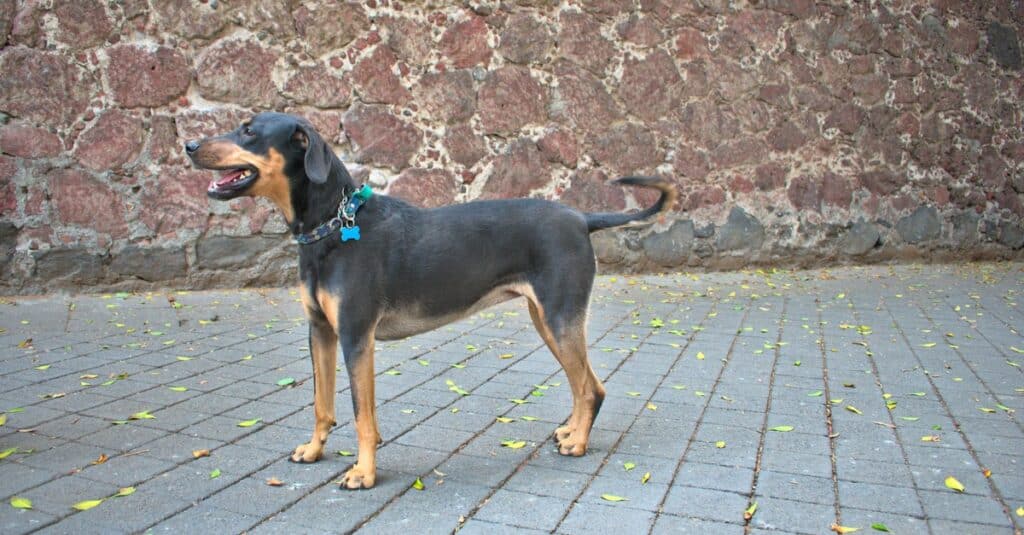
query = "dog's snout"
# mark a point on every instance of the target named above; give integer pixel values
(191, 146)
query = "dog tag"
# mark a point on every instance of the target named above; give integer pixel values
(349, 233)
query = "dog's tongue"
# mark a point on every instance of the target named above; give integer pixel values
(229, 176)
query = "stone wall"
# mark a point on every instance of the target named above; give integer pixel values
(799, 132)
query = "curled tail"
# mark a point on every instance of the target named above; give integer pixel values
(665, 203)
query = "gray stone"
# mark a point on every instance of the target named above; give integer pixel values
(859, 239)
(921, 226)
(672, 247)
(1003, 44)
(741, 231)
(1011, 234)
(150, 263)
(965, 228)
(706, 231)
(216, 252)
(606, 247)
(77, 266)
(8, 240)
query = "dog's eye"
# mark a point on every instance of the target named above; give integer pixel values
(247, 131)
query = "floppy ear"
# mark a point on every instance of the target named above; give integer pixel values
(318, 153)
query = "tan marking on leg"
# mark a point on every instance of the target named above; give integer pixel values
(323, 345)
(587, 390)
(364, 474)
(330, 305)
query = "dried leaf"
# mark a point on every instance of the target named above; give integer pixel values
(930, 438)
(842, 529)
(249, 423)
(749, 513)
(952, 483)
(506, 356)
(18, 502)
(514, 444)
(986, 472)
(505, 419)
(782, 428)
(101, 459)
(142, 415)
(200, 453)
(645, 478)
(124, 491)
(274, 482)
(86, 505)
(652, 406)
(613, 498)
(418, 484)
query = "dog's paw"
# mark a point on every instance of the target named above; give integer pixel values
(562, 433)
(357, 478)
(307, 453)
(572, 448)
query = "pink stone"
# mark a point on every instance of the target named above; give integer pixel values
(84, 201)
(509, 99)
(29, 142)
(115, 139)
(140, 76)
(428, 188)
(465, 43)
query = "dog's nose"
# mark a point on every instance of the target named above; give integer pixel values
(191, 146)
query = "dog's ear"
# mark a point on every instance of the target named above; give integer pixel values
(318, 153)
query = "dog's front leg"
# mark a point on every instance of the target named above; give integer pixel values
(358, 350)
(323, 347)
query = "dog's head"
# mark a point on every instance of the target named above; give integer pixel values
(268, 155)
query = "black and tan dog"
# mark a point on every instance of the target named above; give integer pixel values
(413, 270)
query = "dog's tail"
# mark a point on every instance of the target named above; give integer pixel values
(668, 198)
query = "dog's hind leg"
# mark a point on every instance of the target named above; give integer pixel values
(567, 339)
(323, 349)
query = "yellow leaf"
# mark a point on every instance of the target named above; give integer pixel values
(418, 484)
(782, 428)
(652, 406)
(700, 355)
(628, 465)
(1020, 511)
(930, 438)
(842, 529)
(929, 344)
(87, 504)
(514, 444)
(646, 477)
(18, 502)
(4, 454)
(853, 409)
(125, 491)
(720, 444)
(142, 415)
(249, 423)
(952, 483)
(749, 513)
(3, 418)
(504, 419)
(613, 498)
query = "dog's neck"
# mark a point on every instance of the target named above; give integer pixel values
(317, 203)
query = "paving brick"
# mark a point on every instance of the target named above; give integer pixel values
(507, 507)
(205, 518)
(594, 518)
(705, 504)
(669, 524)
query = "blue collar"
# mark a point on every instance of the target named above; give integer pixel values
(344, 220)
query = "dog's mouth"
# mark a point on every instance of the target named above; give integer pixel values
(232, 181)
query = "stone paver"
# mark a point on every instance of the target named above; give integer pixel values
(844, 396)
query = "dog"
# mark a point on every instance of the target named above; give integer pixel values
(402, 270)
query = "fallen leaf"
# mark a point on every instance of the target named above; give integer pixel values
(101, 459)
(815, 394)
(3, 418)
(124, 491)
(177, 388)
(952, 483)
(652, 406)
(6, 453)
(18, 502)
(782, 428)
(929, 344)
(627, 466)
(519, 401)
(528, 418)
(986, 409)
(249, 423)
(930, 438)
(645, 478)
(200, 453)
(720, 444)
(418, 484)
(274, 482)
(142, 415)
(986, 472)
(506, 356)
(700, 355)
(86, 505)
(26, 343)
(853, 409)
(345, 453)
(215, 473)
(392, 372)
(633, 394)
(909, 418)
(504, 419)
(613, 498)
(43, 368)
(878, 526)
(749, 513)
(842, 529)
(285, 381)
(514, 444)
(1020, 511)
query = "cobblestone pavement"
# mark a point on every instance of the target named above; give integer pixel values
(845, 396)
